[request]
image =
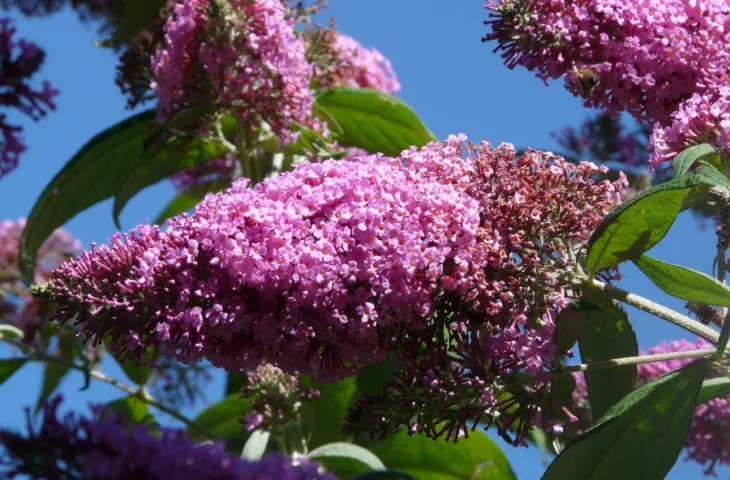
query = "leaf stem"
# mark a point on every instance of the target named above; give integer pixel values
(617, 362)
(655, 309)
(34, 355)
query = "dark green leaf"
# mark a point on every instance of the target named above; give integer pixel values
(223, 421)
(255, 445)
(53, 372)
(639, 437)
(477, 457)
(722, 340)
(386, 475)
(561, 393)
(684, 161)
(371, 379)
(635, 226)
(177, 154)
(374, 121)
(684, 283)
(188, 199)
(133, 410)
(235, 382)
(714, 388)
(94, 174)
(570, 323)
(328, 411)
(608, 334)
(8, 366)
(136, 15)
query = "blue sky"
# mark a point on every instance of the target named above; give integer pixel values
(450, 78)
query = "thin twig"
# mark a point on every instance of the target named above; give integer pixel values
(657, 310)
(34, 355)
(617, 362)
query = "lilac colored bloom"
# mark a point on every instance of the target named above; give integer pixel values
(20, 61)
(649, 56)
(16, 304)
(313, 271)
(102, 447)
(356, 66)
(248, 60)
(702, 118)
(275, 398)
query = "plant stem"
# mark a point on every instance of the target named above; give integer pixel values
(617, 362)
(38, 356)
(657, 310)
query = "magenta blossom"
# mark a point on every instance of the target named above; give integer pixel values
(247, 60)
(356, 66)
(648, 56)
(102, 447)
(313, 271)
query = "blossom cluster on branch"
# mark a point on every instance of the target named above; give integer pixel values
(19, 62)
(332, 266)
(103, 447)
(663, 62)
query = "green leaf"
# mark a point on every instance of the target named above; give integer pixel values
(374, 121)
(136, 15)
(477, 457)
(570, 323)
(684, 161)
(8, 366)
(188, 200)
(347, 451)
(53, 373)
(639, 437)
(328, 411)
(635, 226)
(255, 445)
(711, 175)
(94, 174)
(223, 420)
(713, 388)
(133, 410)
(722, 340)
(177, 154)
(684, 283)
(608, 334)
(10, 331)
(372, 379)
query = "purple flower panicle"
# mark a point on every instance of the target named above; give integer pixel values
(102, 447)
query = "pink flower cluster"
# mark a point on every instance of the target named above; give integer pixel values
(275, 398)
(20, 61)
(708, 442)
(663, 62)
(356, 66)
(248, 61)
(312, 271)
(16, 304)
